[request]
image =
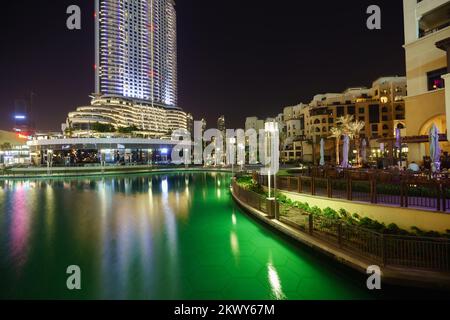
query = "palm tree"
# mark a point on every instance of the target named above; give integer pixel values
(344, 122)
(354, 129)
(336, 133)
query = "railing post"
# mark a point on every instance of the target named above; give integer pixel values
(404, 195)
(438, 197)
(443, 197)
(289, 184)
(311, 224)
(339, 232)
(329, 188)
(383, 250)
(373, 191)
(447, 256)
(277, 210)
(313, 186)
(271, 208)
(349, 188)
(299, 186)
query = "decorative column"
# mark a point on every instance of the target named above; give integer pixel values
(445, 45)
(446, 78)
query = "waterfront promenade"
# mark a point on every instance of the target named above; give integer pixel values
(411, 261)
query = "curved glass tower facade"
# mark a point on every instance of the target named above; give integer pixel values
(135, 69)
(136, 51)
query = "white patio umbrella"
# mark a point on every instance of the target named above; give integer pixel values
(398, 138)
(435, 148)
(364, 150)
(345, 151)
(322, 152)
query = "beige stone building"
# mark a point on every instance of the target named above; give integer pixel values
(381, 107)
(427, 26)
(254, 123)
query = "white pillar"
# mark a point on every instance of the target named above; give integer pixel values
(446, 78)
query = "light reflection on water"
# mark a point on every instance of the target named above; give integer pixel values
(171, 236)
(19, 231)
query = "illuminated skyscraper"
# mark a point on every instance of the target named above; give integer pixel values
(135, 69)
(136, 50)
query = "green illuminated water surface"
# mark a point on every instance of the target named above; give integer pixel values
(171, 236)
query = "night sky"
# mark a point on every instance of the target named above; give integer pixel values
(236, 57)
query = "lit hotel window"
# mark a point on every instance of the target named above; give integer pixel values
(434, 79)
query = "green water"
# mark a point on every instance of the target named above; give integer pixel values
(172, 236)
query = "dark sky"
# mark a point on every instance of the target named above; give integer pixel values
(236, 57)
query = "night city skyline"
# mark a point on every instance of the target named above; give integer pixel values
(231, 61)
(214, 159)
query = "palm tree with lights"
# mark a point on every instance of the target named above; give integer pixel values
(344, 122)
(355, 129)
(336, 133)
(342, 129)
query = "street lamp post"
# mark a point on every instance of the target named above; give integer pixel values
(102, 159)
(186, 160)
(49, 160)
(241, 148)
(231, 154)
(271, 129)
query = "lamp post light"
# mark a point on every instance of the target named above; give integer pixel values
(218, 150)
(103, 159)
(186, 160)
(150, 157)
(49, 160)
(241, 150)
(231, 154)
(271, 129)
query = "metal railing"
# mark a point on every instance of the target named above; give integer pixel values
(385, 249)
(377, 187)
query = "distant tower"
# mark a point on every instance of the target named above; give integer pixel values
(136, 50)
(22, 117)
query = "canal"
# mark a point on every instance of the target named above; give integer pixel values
(171, 236)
